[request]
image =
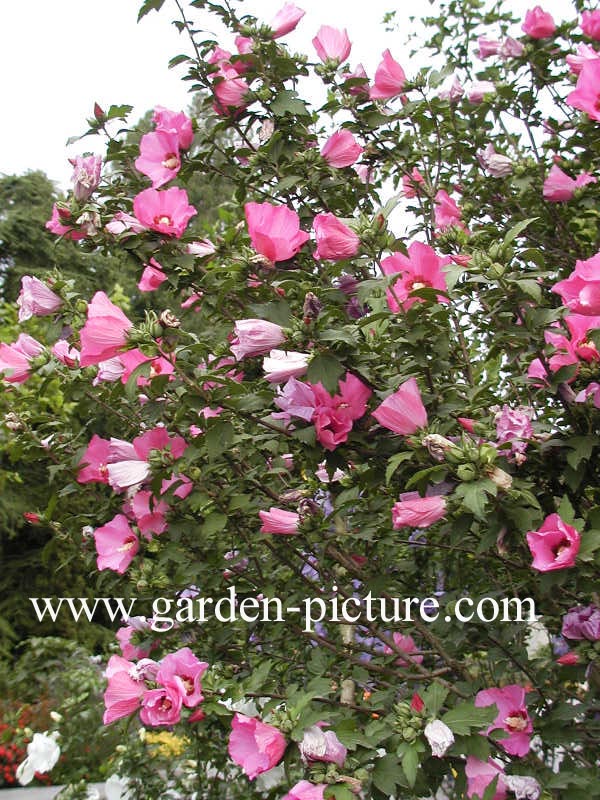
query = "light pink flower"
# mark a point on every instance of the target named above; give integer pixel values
(446, 212)
(86, 175)
(66, 353)
(358, 73)
(335, 241)
(167, 212)
(281, 365)
(559, 187)
(296, 399)
(332, 44)
(512, 717)
(161, 706)
(439, 736)
(159, 365)
(414, 511)
(511, 48)
(403, 412)
(411, 183)
(274, 231)
(580, 292)
(255, 746)
(304, 790)
(152, 277)
(334, 416)
(105, 331)
(497, 165)
(202, 248)
(554, 545)
(478, 90)
(407, 645)
(174, 122)
(16, 358)
(591, 390)
(128, 464)
(389, 79)
(584, 54)
(116, 544)
(182, 672)
(36, 299)
(479, 776)
(124, 690)
(60, 224)
(148, 512)
(129, 650)
(538, 24)
(124, 223)
(514, 425)
(286, 20)
(230, 90)
(320, 745)
(590, 24)
(159, 157)
(253, 337)
(110, 371)
(488, 47)
(278, 520)
(453, 90)
(341, 149)
(421, 269)
(93, 463)
(586, 96)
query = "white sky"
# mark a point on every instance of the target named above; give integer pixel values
(59, 56)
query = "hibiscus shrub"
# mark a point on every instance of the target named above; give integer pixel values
(375, 378)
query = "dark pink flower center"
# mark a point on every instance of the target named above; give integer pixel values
(516, 721)
(561, 546)
(171, 161)
(165, 705)
(188, 684)
(163, 220)
(127, 545)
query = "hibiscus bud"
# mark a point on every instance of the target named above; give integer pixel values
(436, 445)
(501, 478)
(168, 320)
(32, 517)
(99, 113)
(312, 307)
(12, 422)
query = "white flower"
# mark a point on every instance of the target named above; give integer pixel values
(270, 779)
(42, 754)
(439, 736)
(280, 365)
(524, 787)
(115, 788)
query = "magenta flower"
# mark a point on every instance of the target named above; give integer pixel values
(389, 79)
(124, 691)
(274, 231)
(159, 365)
(568, 350)
(580, 292)
(286, 20)
(36, 299)
(538, 24)
(320, 745)
(584, 53)
(255, 746)
(421, 269)
(60, 224)
(182, 672)
(116, 544)
(278, 520)
(86, 176)
(230, 90)
(152, 277)
(16, 358)
(554, 545)
(414, 511)
(174, 122)
(341, 149)
(105, 332)
(581, 623)
(124, 636)
(159, 157)
(334, 415)
(411, 183)
(586, 96)
(403, 412)
(488, 47)
(253, 337)
(66, 353)
(167, 212)
(148, 512)
(335, 241)
(512, 717)
(479, 776)
(446, 211)
(559, 187)
(407, 645)
(332, 44)
(161, 706)
(590, 24)
(281, 365)
(304, 790)
(93, 463)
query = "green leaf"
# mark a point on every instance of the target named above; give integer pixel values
(474, 498)
(590, 542)
(148, 6)
(339, 792)
(213, 523)
(410, 765)
(434, 698)
(325, 369)
(466, 717)
(141, 371)
(288, 102)
(218, 438)
(517, 229)
(393, 464)
(387, 774)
